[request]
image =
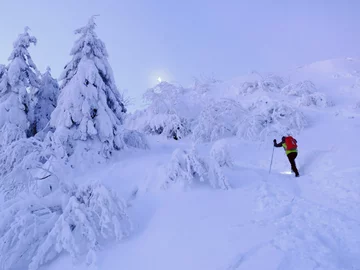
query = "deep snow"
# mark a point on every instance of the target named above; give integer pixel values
(266, 221)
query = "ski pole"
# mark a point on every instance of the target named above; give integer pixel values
(272, 155)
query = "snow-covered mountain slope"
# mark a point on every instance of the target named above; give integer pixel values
(265, 220)
(339, 78)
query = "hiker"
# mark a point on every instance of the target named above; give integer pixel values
(290, 147)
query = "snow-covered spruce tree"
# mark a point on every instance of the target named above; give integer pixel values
(16, 79)
(43, 101)
(90, 110)
(165, 113)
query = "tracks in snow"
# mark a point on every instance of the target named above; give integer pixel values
(312, 231)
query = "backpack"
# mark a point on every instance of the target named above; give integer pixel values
(290, 143)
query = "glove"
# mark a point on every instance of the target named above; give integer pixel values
(274, 141)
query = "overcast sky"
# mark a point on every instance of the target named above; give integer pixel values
(179, 39)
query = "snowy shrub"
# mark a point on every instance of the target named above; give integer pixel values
(249, 87)
(187, 167)
(169, 125)
(217, 120)
(356, 106)
(356, 85)
(299, 89)
(20, 75)
(203, 85)
(33, 230)
(216, 176)
(271, 83)
(16, 161)
(164, 113)
(9, 133)
(267, 118)
(43, 102)
(220, 153)
(163, 97)
(316, 99)
(306, 94)
(133, 138)
(89, 108)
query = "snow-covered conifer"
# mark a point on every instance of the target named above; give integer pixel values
(16, 79)
(43, 102)
(90, 110)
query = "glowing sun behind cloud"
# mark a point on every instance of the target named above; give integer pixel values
(158, 75)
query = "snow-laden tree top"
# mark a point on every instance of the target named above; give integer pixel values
(21, 70)
(90, 47)
(19, 76)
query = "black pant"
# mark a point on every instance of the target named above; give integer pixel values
(291, 157)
